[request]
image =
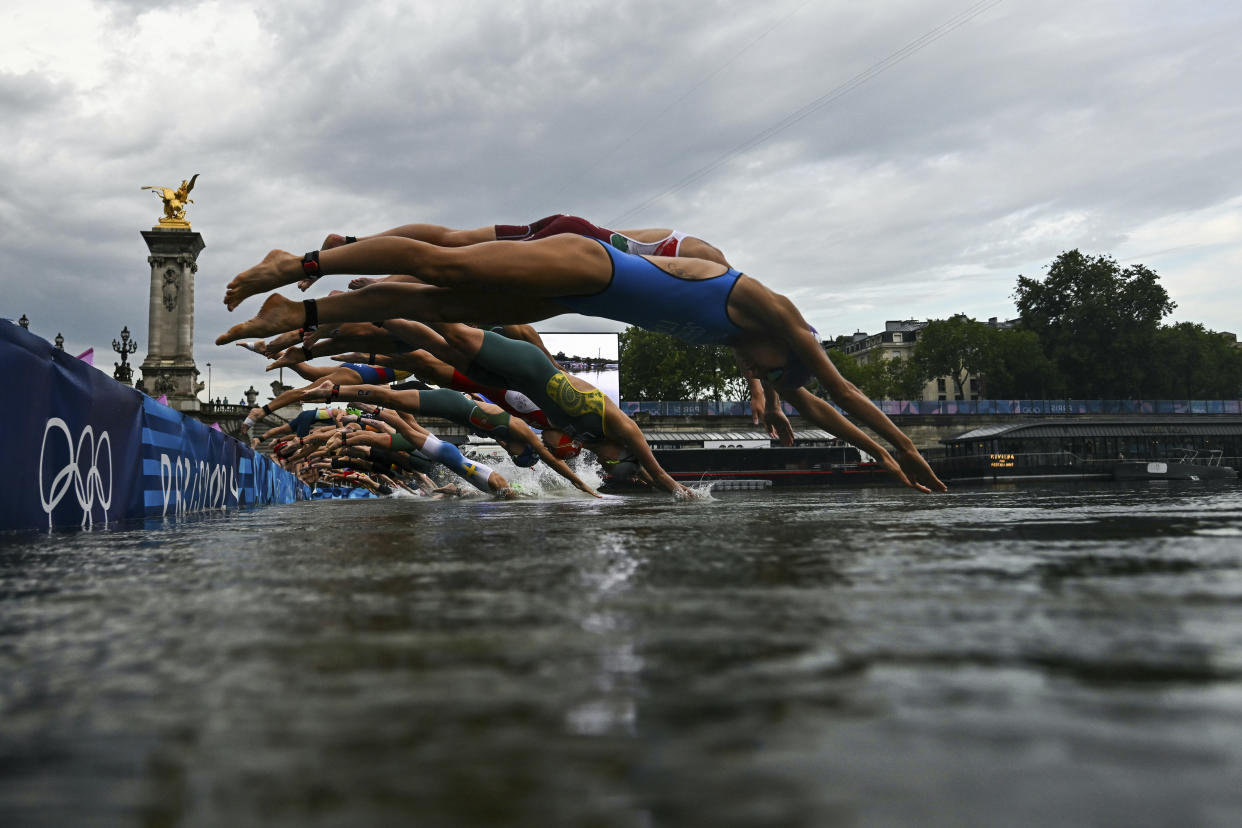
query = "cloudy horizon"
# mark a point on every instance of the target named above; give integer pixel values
(893, 161)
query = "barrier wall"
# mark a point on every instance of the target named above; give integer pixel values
(1017, 408)
(78, 448)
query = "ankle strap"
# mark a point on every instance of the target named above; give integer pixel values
(310, 265)
(312, 315)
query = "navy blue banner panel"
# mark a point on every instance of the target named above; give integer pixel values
(80, 449)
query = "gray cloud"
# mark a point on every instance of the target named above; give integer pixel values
(1032, 129)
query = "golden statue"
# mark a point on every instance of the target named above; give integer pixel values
(174, 203)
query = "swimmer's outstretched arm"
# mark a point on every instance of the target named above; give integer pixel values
(625, 431)
(525, 432)
(478, 475)
(758, 401)
(828, 418)
(776, 314)
(394, 483)
(774, 418)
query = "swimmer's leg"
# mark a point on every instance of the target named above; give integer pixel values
(559, 266)
(389, 299)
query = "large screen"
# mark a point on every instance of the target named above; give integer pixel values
(592, 356)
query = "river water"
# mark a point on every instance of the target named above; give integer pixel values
(1041, 655)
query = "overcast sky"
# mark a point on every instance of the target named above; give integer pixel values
(899, 159)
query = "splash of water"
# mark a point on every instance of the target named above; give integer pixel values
(537, 481)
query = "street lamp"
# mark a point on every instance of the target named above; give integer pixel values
(123, 372)
(60, 341)
(24, 322)
(209, 382)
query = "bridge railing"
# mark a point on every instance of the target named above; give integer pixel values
(1017, 408)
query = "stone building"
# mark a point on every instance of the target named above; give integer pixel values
(897, 341)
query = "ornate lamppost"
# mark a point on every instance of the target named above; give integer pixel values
(209, 400)
(124, 372)
(60, 341)
(24, 322)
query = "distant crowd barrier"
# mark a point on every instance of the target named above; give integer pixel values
(934, 407)
(78, 448)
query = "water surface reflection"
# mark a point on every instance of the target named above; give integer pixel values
(1043, 655)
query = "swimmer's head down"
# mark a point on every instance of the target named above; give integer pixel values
(795, 373)
(527, 458)
(562, 446)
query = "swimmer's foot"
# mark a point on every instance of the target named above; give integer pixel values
(291, 356)
(318, 393)
(277, 268)
(277, 315)
(258, 346)
(336, 240)
(361, 282)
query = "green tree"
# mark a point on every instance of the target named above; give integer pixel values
(847, 365)
(1096, 322)
(879, 379)
(655, 366)
(905, 379)
(1014, 367)
(953, 347)
(714, 373)
(1195, 364)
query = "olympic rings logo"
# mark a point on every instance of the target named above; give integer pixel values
(86, 486)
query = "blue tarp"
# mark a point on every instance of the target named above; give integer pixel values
(79, 448)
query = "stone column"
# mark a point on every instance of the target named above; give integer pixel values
(169, 366)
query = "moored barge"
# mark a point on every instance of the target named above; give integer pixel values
(1093, 449)
(696, 458)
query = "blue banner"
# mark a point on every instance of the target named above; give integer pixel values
(1021, 408)
(80, 448)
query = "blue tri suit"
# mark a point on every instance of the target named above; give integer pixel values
(641, 293)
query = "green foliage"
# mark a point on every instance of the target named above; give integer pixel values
(1014, 367)
(906, 379)
(1195, 364)
(847, 366)
(1090, 330)
(655, 366)
(953, 347)
(879, 379)
(1096, 322)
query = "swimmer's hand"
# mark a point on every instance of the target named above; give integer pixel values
(918, 473)
(779, 427)
(693, 494)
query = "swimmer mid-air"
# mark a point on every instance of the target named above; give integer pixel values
(696, 300)
(485, 419)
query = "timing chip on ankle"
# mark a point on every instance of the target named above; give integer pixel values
(310, 265)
